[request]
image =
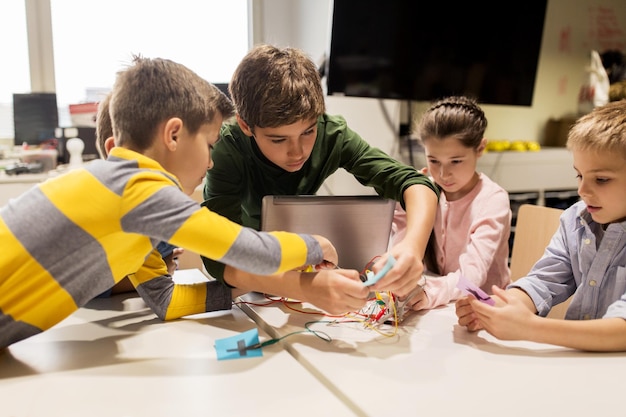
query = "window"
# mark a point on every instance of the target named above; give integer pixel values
(92, 40)
(15, 73)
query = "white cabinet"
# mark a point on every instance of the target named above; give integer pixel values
(547, 172)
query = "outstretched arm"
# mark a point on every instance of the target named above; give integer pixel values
(421, 207)
(336, 291)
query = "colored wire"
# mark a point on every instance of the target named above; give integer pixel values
(322, 335)
(377, 313)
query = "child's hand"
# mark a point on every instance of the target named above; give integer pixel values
(171, 260)
(510, 319)
(336, 291)
(417, 302)
(330, 253)
(325, 265)
(404, 275)
(466, 315)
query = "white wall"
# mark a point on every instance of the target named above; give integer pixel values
(572, 29)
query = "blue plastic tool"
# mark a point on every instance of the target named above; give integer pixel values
(373, 279)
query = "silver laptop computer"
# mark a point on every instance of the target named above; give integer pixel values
(358, 226)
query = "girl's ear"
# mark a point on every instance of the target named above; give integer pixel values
(172, 132)
(481, 147)
(244, 126)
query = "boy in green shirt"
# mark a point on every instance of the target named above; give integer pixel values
(284, 143)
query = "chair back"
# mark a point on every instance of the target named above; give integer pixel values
(534, 228)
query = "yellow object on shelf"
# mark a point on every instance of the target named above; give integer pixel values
(515, 146)
(533, 146)
(518, 146)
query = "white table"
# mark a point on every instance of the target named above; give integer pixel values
(115, 358)
(433, 367)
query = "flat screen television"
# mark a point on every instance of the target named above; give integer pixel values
(423, 51)
(35, 117)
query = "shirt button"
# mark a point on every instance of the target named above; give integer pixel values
(593, 283)
(587, 241)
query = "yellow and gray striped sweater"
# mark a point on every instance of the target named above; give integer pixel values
(72, 237)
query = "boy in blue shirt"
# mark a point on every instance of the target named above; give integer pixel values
(586, 257)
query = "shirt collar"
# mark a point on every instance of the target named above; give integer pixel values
(585, 218)
(143, 162)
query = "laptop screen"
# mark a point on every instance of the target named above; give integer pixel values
(358, 226)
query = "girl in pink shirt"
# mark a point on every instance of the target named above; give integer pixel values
(473, 222)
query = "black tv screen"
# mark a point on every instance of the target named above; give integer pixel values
(35, 117)
(423, 51)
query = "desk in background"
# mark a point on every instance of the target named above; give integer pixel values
(12, 186)
(433, 367)
(114, 357)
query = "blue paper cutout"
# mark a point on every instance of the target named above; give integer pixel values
(238, 346)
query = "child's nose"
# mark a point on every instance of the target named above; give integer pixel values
(295, 149)
(582, 188)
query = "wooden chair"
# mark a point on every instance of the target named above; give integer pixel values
(533, 230)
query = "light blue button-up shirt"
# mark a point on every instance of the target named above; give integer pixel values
(584, 260)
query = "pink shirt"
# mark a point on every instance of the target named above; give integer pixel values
(472, 237)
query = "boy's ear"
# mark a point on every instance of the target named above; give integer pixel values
(172, 131)
(244, 126)
(109, 144)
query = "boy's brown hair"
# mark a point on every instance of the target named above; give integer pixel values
(104, 127)
(153, 90)
(603, 129)
(274, 87)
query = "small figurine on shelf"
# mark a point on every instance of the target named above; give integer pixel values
(75, 147)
